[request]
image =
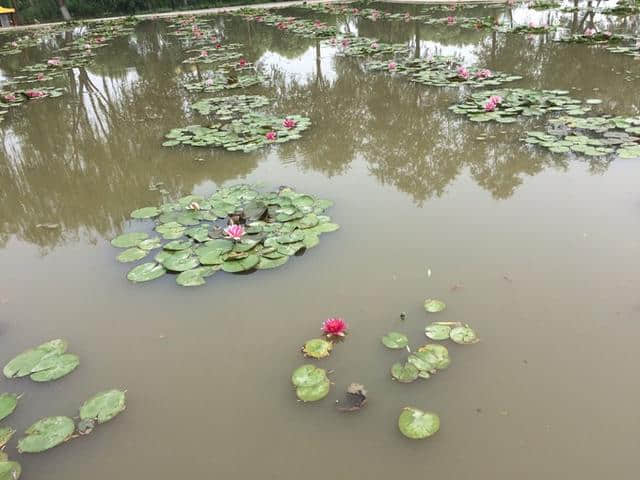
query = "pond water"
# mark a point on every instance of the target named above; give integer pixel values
(539, 252)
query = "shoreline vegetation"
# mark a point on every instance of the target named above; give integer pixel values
(34, 13)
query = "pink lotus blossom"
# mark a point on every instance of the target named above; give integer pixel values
(271, 135)
(392, 65)
(54, 62)
(10, 97)
(289, 123)
(497, 99)
(14, 44)
(463, 73)
(34, 93)
(484, 73)
(208, 81)
(40, 76)
(492, 103)
(374, 45)
(242, 62)
(589, 32)
(334, 327)
(218, 45)
(235, 232)
(345, 42)
(204, 53)
(451, 20)
(607, 34)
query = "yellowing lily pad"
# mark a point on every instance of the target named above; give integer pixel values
(317, 348)
(434, 306)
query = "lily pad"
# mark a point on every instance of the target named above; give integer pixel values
(46, 433)
(395, 340)
(317, 348)
(146, 272)
(180, 261)
(8, 403)
(132, 254)
(406, 373)
(315, 392)
(464, 335)
(146, 212)
(195, 277)
(103, 406)
(127, 240)
(24, 363)
(437, 331)
(416, 424)
(5, 435)
(53, 368)
(436, 355)
(241, 265)
(434, 306)
(308, 375)
(10, 470)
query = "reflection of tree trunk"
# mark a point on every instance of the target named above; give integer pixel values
(318, 64)
(64, 10)
(417, 36)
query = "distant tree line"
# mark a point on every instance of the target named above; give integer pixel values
(33, 11)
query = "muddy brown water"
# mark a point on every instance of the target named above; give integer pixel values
(544, 251)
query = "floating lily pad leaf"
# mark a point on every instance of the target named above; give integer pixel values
(127, 240)
(199, 234)
(53, 368)
(46, 433)
(436, 331)
(267, 263)
(315, 392)
(180, 261)
(464, 335)
(177, 245)
(10, 470)
(195, 277)
(406, 373)
(308, 376)
(132, 254)
(326, 227)
(434, 306)
(146, 272)
(317, 348)
(8, 403)
(103, 406)
(146, 212)
(416, 424)
(150, 244)
(435, 354)
(5, 435)
(241, 265)
(395, 340)
(171, 230)
(23, 364)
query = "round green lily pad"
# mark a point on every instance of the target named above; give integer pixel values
(10, 470)
(317, 348)
(241, 265)
(177, 245)
(127, 240)
(24, 363)
(464, 335)
(434, 306)
(150, 243)
(406, 373)
(5, 435)
(437, 331)
(146, 212)
(180, 261)
(8, 403)
(132, 254)
(46, 433)
(416, 424)
(308, 375)
(421, 361)
(395, 340)
(103, 406)
(437, 355)
(53, 368)
(195, 277)
(146, 272)
(266, 263)
(315, 392)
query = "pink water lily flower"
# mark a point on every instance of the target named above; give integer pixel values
(497, 99)
(484, 73)
(271, 135)
(54, 62)
(10, 97)
(235, 232)
(489, 106)
(208, 81)
(204, 53)
(334, 327)
(242, 62)
(463, 73)
(40, 76)
(34, 93)
(392, 65)
(607, 34)
(451, 20)
(345, 42)
(589, 32)
(289, 123)
(532, 25)
(374, 45)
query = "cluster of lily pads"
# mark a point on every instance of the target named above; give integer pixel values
(591, 136)
(224, 81)
(302, 27)
(43, 363)
(240, 125)
(271, 228)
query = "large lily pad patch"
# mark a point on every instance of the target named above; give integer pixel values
(237, 229)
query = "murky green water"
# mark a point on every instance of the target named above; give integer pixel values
(539, 252)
